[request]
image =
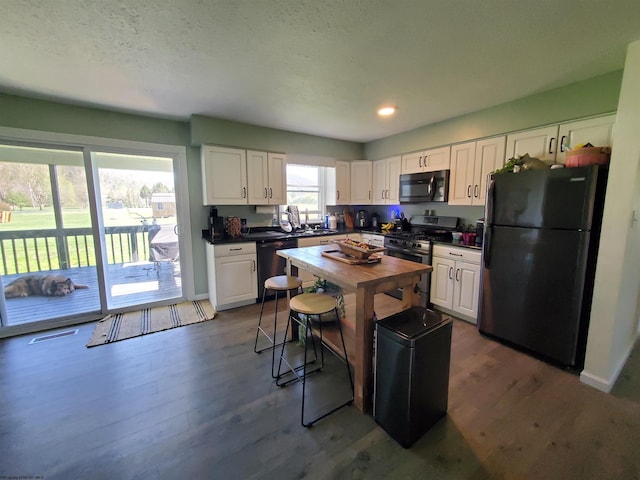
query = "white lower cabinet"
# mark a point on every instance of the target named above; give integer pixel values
(232, 274)
(372, 239)
(455, 281)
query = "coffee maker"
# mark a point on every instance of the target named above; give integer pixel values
(216, 224)
(362, 219)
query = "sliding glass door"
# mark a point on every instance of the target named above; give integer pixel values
(141, 249)
(85, 232)
(47, 247)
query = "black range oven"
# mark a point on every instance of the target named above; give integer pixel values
(416, 246)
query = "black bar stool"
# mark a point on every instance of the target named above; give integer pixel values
(307, 306)
(280, 283)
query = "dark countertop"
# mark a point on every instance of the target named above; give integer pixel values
(271, 235)
(458, 243)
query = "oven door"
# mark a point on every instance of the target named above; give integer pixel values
(424, 287)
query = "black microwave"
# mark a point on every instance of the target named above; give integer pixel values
(424, 187)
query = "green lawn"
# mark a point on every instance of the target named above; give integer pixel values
(35, 219)
(42, 254)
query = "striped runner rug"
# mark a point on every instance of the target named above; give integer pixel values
(121, 326)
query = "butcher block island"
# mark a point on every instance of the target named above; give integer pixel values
(365, 281)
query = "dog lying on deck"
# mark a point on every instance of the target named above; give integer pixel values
(46, 285)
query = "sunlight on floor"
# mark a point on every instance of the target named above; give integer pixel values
(138, 287)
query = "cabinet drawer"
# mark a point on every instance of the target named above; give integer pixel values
(458, 254)
(228, 249)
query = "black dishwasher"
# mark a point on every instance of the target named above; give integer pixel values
(269, 263)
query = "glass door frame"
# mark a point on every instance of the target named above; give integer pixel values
(91, 144)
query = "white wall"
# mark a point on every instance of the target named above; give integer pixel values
(614, 315)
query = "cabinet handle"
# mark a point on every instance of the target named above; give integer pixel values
(550, 143)
(369, 194)
(468, 191)
(450, 273)
(476, 191)
(235, 249)
(457, 272)
(562, 143)
(270, 192)
(254, 265)
(338, 197)
(455, 254)
(265, 192)
(386, 194)
(244, 192)
(420, 161)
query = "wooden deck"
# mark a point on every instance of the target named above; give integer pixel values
(132, 284)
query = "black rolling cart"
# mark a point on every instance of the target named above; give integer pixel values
(413, 350)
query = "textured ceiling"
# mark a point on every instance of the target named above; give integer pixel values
(320, 67)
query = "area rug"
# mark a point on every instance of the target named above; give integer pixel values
(121, 326)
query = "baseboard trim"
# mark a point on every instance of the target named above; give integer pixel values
(604, 384)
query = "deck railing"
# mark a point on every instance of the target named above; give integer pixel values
(29, 251)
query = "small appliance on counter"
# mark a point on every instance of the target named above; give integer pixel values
(362, 219)
(216, 224)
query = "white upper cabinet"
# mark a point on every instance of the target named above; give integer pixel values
(461, 181)
(471, 163)
(427, 161)
(547, 143)
(224, 176)
(361, 187)
(539, 143)
(386, 181)
(597, 131)
(266, 173)
(343, 183)
(489, 158)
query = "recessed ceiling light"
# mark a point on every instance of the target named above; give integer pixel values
(386, 111)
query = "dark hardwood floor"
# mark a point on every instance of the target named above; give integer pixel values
(196, 402)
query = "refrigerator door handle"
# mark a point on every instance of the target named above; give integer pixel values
(486, 246)
(488, 215)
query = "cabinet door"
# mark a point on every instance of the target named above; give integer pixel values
(412, 162)
(393, 180)
(489, 158)
(379, 182)
(277, 178)
(539, 143)
(596, 131)
(361, 182)
(467, 288)
(437, 159)
(378, 241)
(343, 183)
(442, 282)
(236, 278)
(257, 178)
(463, 160)
(224, 176)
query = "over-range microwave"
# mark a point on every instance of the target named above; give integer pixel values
(424, 187)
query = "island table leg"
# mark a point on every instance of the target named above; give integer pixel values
(363, 364)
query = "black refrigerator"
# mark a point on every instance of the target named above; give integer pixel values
(542, 230)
